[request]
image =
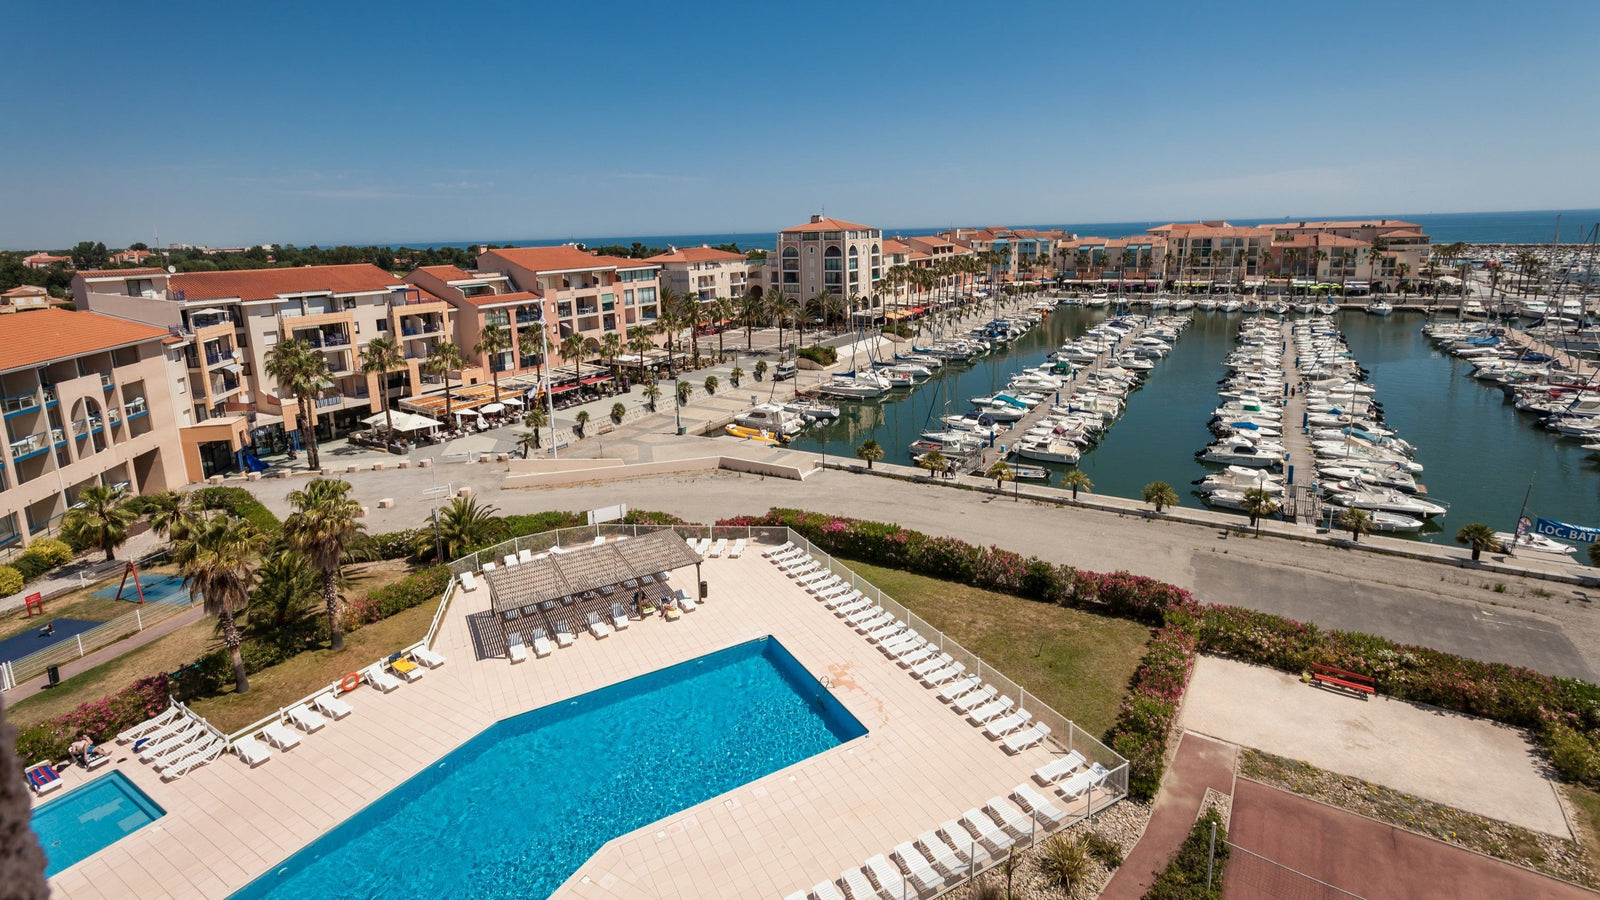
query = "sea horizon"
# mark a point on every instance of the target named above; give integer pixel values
(1498, 227)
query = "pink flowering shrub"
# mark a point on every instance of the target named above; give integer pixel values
(102, 719)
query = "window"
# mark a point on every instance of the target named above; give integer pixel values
(349, 303)
(383, 324)
(182, 384)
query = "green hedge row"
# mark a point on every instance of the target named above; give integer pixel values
(241, 503)
(1185, 877)
(821, 355)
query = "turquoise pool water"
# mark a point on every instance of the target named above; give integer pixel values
(88, 819)
(517, 809)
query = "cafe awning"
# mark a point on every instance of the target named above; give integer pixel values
(596, 379)
(492, 408)
(403, 421)
(563, 388)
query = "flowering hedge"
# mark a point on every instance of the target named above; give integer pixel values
(1562, 713)
(102, 719)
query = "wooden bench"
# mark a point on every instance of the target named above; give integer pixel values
(1339, 678)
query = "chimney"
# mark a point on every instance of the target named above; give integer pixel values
(815, 218)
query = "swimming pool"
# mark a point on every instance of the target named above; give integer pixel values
(88, 819)
(517, 809)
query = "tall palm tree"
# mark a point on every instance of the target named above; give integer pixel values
(381, 357)
(302, 373)
(611, 348)
(322, 525)
(1358, 521)
(778, 308)
(100, 518)
(1160, 495)
(171, 513)
(751, 311)
(1479, 537)
(494, 340)
(461, 525)
(285, 594)
(1075, 479)
(443, 359)
(217, 561)
(723, 310)
(1257, 504)
(572, 350)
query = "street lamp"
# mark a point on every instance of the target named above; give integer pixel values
(549, 398)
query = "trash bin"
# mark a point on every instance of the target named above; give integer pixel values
(681, 430)
(704, 590)
(53, 672)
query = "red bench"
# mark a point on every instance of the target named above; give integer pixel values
(1339, 678)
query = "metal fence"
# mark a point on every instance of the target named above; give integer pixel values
(33, 665)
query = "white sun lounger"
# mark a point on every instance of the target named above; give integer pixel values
(974, 699)
(817, 576)
(938, 662)
(702, 546)
(598, 540)
(965, 846)
(619, 617)
(252, 751)
(171, 715)
(720, 547)
(685, 602)
(874, 621)
(1009, 818)
(827, 590)
(383, 681)
(826, 890)
(885, 632)
(515, 651)
(1037, 805)
(785, 547)
(598, 628)
(525, 556)
(939, 852)
(510, 560)
(279, 736)
(488, 566)
(305, 718)
(160, 735)
(824, 585)
(1023, 740)
(541, 643)
(797, 895)
(1052, 772)
(848, 603)
(737, 550)
(857, 885)
(564, 636)
(903, 642)
(887, 876)
(199, 756)
(331, 706)
(988, 833)
(916, 865)
(797, 561)
(863, 614)
(991, 710)
(469, 582)
(1077, 786)
(559, 550)
(427, 657)
(952, 692)
(1004, 725)
(802, 572)
(915, 655)
(158, 751)
(946, 674)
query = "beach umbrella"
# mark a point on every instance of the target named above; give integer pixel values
(492, 408)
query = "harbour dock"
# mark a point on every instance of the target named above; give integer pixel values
(1301, 500)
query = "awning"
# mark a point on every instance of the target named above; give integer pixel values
(235, 368)
(462, 413)
(492, 408)
(563, 388)
(403, 421)
(596, 379)
(510, 401)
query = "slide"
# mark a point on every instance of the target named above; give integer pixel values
(254, 462)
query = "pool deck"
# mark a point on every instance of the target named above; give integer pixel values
(919, 765)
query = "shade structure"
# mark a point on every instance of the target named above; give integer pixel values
(492, 408)
(463, 413)
(404, 422)
(516, 589)
(511, 401)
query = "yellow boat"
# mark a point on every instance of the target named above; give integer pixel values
(756, 434)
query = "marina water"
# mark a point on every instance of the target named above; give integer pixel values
(1479, 453)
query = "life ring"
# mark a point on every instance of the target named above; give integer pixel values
(350, 683)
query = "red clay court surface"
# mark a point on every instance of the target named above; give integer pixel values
(1367, 858)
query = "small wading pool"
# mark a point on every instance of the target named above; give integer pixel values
(517, 809)
(88, 819)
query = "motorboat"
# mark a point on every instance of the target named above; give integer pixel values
(1393, 522)
(1380, 308)
(760, 435)
(812, 409)
(1239, 452)
(856, 385)
(770, 417)
(1361, 496)
(1048, 450)
(1327, 309)
(1530, 540)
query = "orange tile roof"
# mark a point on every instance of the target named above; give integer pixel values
(562, 258)
(1353, 223)
(696, 254)
(121, 273)
(264, 284)
(449, 273)
(25, 290)
(826, 224)
(496, 299)
(46, 335)
(891, 245)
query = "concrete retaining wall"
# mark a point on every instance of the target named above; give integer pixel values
(618, 472)
(538, 466)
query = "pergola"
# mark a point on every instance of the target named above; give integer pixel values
(560, 577)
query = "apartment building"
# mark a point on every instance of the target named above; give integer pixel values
(225, 324)
(24, 297)
(480, 299)
(1136, 262)
(825, 254)
(85, 402)
(1375, 254)
(578, 292)
(703, 272)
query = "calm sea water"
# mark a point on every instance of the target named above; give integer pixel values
(1528, 227)
(1480, 454)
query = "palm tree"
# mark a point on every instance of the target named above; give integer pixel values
(461, 525)
(618, 413)
(443, 359)
(1160, 495)
(777, 306)
(285, 594)
(217, 562)
(1258, 503)
(652, 393)
(100, 518)
(381, 357)
(751, 310)
(302, 373)
(171, 513)
(934, 462)
(528, 440)
(711, 384)
(611, 348)
(735, 376)
(535, 419)
(1075, 479)
(1478, 536)
(869, 451)
(580, 422)
(527, 349)
(1001, 472)
(685, 391)
(322, 525)
(572, 349)
(1359, 521)
(723, 310)
(495, 341)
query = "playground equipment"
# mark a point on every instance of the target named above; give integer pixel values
(34, 603)
(133, 570)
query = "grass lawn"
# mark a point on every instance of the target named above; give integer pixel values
(1586, 809)
(287, 682)
(1077, 662)
(79, 604)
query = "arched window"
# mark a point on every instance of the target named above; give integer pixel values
(832, 252)
(853, 251)
(791, 253)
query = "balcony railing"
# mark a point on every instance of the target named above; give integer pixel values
(19, 403)
(30, 446)
(325, 402)
(136, 407)
(216, 356)
(106, 381)
(223, 386)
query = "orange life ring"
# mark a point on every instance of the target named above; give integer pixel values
(350, 683)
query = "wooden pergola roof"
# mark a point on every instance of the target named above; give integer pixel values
(574, 572)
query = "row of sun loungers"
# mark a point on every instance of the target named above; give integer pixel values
(517, 642)
(712, 549)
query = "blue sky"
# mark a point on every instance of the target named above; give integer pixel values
(228, 123)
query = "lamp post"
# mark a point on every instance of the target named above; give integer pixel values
(549, 398)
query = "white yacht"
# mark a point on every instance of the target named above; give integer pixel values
(771, 417)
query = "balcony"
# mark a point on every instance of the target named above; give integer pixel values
(136, 407)
(82, 428)
(213, 357)
(588, 310)
(107, 382)
(17, 404)
(30, 446)
(223, 386)
(330, 401)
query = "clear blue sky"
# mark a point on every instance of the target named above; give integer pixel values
(231, 123)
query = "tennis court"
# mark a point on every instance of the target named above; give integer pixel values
(33, 640)
(157, 589)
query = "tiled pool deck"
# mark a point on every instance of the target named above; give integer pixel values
(919, 765)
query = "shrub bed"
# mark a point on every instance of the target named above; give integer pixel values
(1185, 877)
(10, 581)
(821, 355)
(242, 503)
(102, 720)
